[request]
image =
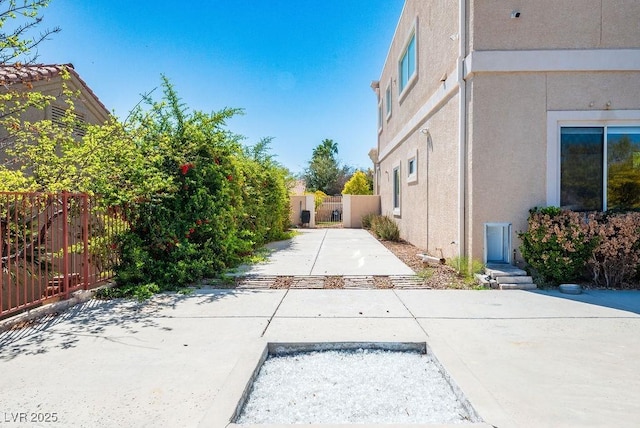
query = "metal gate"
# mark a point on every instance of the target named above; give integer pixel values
(329, 212)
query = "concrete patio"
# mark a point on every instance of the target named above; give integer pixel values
(329, 252)
(523, 359)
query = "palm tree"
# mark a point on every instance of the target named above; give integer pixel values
(327, 149)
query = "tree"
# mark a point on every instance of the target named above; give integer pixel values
(324, 171)
(15, 40)
(112, 159)
(357, 185)
(327, 149)
(18, 20)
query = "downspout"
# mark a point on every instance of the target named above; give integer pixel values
(462, 124)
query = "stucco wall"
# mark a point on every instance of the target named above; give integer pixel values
(435, 22)
(508, 100)
(429, 203)
(428, 206)
(507, 142)
(357, 206)
(593, 90)
(84, 102)
(297, 204)
(508, 137)
(553, 24)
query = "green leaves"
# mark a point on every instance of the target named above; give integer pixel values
(324, 172)
(223, 201)
(17, 21)
(196, 200)
(556, 244)
(357, 185)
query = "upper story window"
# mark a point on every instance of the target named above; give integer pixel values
(388, 100)
(408, 63)
(380, 116)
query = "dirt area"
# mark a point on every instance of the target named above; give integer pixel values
(434, 276)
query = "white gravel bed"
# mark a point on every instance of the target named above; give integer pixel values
(362, 386)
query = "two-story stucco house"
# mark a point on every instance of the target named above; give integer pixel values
(487, 108)
(48, 80)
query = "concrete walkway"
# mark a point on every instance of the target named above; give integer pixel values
(523, 359)
(329, 252)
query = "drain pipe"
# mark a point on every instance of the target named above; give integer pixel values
(462, 123)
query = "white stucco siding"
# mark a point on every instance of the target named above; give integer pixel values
(553, 24)
(508, 137)
(435, 24)
(593, 90)
(507, 140)
(429, 203)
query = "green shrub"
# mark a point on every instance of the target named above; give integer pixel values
(385, 228)
(367, 219)
(318, 198)
(557, 244)
(467, 268)
(221, 201)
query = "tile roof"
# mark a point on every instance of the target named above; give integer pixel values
(20, 73)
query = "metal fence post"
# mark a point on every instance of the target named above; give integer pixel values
(65, 243)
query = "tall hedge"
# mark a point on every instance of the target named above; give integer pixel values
(220, 202)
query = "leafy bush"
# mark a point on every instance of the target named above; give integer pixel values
(221, 200)
(357, 185)
(557, 244)
(367, 220)
(385, 228)
(615, 259)
(318, 198)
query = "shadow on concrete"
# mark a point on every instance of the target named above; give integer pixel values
(280, 245)
(111, 320)
(624, 300)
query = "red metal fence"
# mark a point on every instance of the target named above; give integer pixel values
(53, 244)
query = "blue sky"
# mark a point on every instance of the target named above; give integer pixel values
(301, 69)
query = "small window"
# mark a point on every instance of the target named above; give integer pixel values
(380, 116)
(407, 64)
(387, 100)
(412, 167)
(396, 190)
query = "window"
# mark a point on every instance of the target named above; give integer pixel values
(412, 167)
(396, 190)
(387, 100)
(380, 116)
(407, 64)
(600, 168)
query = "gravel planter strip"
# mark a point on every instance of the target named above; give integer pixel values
(362, 386)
